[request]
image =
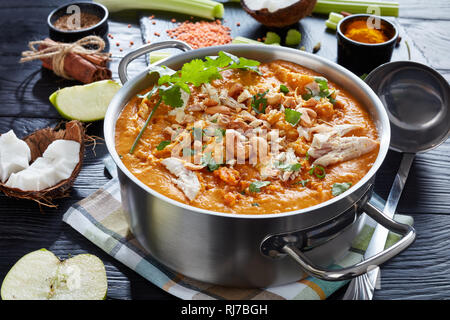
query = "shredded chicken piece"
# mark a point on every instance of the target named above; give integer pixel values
(244, 96)
(308, 117)
(211, 91)
(186, 180)
(329, 147)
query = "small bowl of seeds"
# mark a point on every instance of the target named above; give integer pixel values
(73, 21)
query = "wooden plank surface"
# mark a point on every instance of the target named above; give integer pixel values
(419, 272)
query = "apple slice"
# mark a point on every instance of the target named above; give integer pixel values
(40, 275)
(85, 103)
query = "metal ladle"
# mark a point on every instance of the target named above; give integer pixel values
(417, 100)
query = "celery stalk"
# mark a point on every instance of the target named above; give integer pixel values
(335, 17)
(327, 6)
(243, 40)
(201, 8)
(331, 25)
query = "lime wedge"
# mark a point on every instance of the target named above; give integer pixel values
(85, 102)
(40, 275)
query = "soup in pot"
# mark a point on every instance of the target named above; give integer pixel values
(271, 140)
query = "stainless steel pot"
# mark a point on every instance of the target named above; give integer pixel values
(250, 250)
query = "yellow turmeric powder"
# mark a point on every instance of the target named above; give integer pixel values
(358, 31)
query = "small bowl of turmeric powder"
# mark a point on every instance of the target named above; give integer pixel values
(365, 42)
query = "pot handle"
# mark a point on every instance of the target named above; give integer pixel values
(408, 232)
(123, 74)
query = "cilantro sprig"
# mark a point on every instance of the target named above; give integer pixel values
(339, 188)
(292, 116)
(195, 72)
(292, 167)
(257, 185)
(324, 91)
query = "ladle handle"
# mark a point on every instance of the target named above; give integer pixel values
(380, 234)
(408, 232)
(123, 74)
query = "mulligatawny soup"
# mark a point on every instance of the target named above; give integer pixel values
(279, 140)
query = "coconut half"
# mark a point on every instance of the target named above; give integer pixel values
(43, 158)
(278, 13)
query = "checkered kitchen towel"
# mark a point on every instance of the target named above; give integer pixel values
(101, 219)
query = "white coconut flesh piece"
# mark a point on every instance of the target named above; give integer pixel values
(40, 275)
(270, 5)
(15, 155)
(56, 164)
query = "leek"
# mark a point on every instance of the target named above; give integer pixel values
(208, 9)
(327, 6)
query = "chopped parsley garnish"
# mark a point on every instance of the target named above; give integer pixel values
(219, 134)
(302, 182)
(163, 144)
(257, 185)
(292, 116)
(323, 86)
(208, 160)
(318, 171)
(259, 103)
(221, 131)
(324, 91)
(289, 167)
(339, 188)
(284, 89)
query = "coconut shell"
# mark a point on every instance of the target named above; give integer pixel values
(282, 17)
(38, 142)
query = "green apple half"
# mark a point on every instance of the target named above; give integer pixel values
(40, 275)
(87, 102)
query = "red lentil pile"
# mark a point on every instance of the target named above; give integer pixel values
(201, 34)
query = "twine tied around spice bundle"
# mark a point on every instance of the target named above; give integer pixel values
(57, 52)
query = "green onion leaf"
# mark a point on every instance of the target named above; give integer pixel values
(284, 89)
(149, 94)
(302, 182)
(255, 204)
(259, 103)
(292, 116)
(339, 188)
(145, 126)
(320, 175)
(257, 185)
(163, 144)
(208, 160)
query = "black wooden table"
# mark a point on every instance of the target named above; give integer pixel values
(421, 272)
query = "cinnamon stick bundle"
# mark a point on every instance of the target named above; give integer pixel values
(86, 68)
